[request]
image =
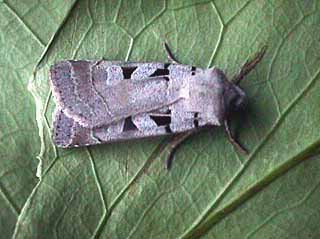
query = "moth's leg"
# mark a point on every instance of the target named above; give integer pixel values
(249, 65)
(176, 141)
(170, 55)
(232, 140)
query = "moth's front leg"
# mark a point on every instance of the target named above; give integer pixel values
(170, 55)
(176, 141)
(232, 140)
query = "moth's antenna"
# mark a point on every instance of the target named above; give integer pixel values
(249, 65)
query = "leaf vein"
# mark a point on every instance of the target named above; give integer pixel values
(220, 38)
(25, 25)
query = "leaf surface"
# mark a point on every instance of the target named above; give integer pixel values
(23, 37)
(123, 190)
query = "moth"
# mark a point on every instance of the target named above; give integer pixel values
(106, 101)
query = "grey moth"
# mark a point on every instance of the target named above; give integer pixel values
(107, 101)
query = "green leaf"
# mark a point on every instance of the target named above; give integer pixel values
(23, 37)
(123, 190)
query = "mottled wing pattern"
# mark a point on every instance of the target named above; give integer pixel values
(67, 132)
(110, 101)
(75, 94)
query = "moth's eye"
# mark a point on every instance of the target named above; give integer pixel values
(236, 102)
(233, 102)
(241, 103)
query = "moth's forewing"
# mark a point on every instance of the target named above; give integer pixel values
(96, 100)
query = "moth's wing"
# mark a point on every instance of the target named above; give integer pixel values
(69, 133)
(74, 92)
(100, 93)
(128, 90)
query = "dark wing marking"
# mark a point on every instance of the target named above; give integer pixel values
(161, 120)
(129, 125)
(160, 72)
(127, 71)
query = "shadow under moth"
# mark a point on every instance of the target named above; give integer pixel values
(106, 101)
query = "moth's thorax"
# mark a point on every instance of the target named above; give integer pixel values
(210, 95)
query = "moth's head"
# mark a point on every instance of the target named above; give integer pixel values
(214, 96)
(235, 98)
